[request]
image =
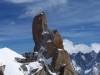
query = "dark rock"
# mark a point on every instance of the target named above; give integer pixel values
(1, 73)
(56, 33)
(57, 40)
(66, 71)
(24, 67)
(51, 49)
(41, 72)
(33, 71)
(2, 68)
(60, 58)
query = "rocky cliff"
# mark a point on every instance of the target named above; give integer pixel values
(49, 45)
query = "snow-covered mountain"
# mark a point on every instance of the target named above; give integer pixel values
(86, 64)
(12, 67)
(10, 59)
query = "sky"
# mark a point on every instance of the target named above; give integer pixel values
(78, 21)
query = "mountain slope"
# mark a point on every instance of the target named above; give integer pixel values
(86, 64)
(12, 67)
(7, 57)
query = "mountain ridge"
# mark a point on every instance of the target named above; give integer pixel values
(84, 63)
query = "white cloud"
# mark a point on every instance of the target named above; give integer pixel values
(71, 48)
(21, 1)
(45, 5)
(12, 23)
(95, 46)
(77, 13)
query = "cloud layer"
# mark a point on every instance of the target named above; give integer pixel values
(21, 1)
(71, 48)
(46, 5)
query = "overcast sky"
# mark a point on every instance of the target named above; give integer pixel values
(78, 21)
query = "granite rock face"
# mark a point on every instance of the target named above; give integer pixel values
(60, 59)
(38, 26)
(49, 44)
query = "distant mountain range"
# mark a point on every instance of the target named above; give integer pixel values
(86, 64)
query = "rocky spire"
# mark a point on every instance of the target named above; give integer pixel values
(50, 46)
(39, 26)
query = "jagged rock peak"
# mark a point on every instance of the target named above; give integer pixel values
(39, 26)
(40, 13)
(49, 44)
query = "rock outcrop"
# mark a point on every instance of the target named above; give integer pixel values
(2, 68)
(39, 25)
(49, 44)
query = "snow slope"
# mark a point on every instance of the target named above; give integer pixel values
(12, 67)
(7, 57)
